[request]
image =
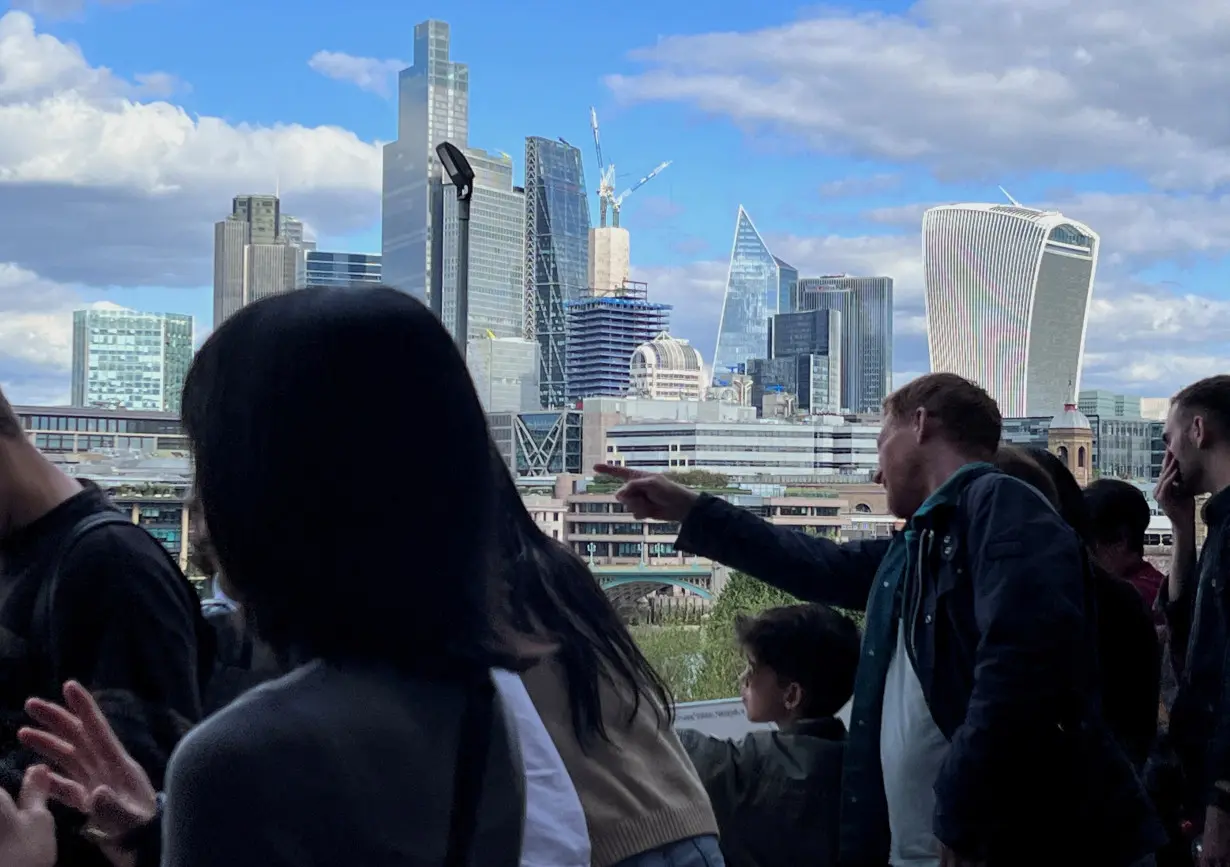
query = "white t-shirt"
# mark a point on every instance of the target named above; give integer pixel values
(912, 749)
(555, 831)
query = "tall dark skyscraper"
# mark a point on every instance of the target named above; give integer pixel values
(556, 255)
(866, 307)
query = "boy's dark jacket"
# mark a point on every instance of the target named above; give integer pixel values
(776, 794)
(998, 582)
(124, 624)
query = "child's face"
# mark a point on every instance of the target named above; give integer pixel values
(765, 698)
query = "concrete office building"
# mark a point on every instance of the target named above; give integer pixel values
(667, 368)
(497, 249)
(1007, 296)
(252, 258)
(433, 105)
(123, 359)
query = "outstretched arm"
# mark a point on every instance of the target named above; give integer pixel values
(811, 568)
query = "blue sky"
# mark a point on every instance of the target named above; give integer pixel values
(125, 128)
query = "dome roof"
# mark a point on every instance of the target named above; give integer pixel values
(1071, 419)
(669, 353)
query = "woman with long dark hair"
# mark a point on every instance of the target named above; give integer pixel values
(386, 743)
(608, 712)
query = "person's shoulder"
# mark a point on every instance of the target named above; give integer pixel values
(119, 552)
(1001, 491)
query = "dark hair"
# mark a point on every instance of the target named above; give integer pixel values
(1070, 500)
(10, 424)
(332, 559)
(1019, 464)
(1210, 397)
(811, 645)
(969, 416)
(552, 592)
(1118, 512)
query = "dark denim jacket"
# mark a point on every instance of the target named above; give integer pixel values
(996, 587)
(1200, 645)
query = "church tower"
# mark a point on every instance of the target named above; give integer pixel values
(1070, 438)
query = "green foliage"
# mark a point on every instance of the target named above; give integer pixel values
(701, 480)
(705, 663)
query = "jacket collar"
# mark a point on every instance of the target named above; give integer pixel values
(950, 491)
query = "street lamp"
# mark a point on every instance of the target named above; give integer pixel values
(457, 167)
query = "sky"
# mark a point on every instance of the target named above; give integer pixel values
(126, 126)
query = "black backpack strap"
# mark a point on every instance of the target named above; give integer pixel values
(41, 623)
(474, 747)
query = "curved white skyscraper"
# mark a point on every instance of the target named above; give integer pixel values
(1007, 294)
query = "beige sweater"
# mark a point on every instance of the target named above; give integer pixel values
(639, 791)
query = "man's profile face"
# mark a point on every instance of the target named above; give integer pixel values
(898, 450)
(1181, 434)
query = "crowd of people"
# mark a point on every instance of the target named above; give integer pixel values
(378, 682)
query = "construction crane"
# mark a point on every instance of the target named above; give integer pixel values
(618, 201)
(607, 200)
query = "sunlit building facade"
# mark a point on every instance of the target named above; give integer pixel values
(1007, 295)
(758, 285)
(505, 373)
(258, 252)
(123, 359)
(433, 105)
(667, 368)
(556, 255)
(497, 250)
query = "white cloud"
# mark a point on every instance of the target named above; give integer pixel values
(104, 183)
(974, 88)
(144, 180)
(366, 73)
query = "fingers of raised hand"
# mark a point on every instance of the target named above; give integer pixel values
(35, 789)
(98, 733)
(67, 757)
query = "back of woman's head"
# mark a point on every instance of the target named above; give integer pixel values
(1019, 464)
(1071, 501)
(290, 407)
(553, 593)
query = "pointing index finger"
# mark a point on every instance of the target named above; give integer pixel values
(622, 473)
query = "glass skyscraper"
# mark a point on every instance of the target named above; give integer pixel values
(759, 285)
(341, 269)
(497, 250)
(123, 359)
(433, 105)
(556, 255)
(866, 307)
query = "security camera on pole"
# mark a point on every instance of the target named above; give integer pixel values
(457, 167)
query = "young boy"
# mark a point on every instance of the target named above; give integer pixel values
(776, 794)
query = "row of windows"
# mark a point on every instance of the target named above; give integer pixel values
(91, 424)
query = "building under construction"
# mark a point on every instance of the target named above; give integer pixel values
(603, 332)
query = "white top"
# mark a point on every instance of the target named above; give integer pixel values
(555, 831)
(912, 749)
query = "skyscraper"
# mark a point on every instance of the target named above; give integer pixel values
(252, 258)
(497, 249)
(603, 332)
(556, 255)
(1007, 294)
(758, 285)
(130, 360)
(866, 307)
(505, 373)
(433, 105)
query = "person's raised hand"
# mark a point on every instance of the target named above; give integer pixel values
(1175, 501)
(650, 495)
(27, 830)
(94, 775)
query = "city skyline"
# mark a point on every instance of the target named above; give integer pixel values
(131, 224)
